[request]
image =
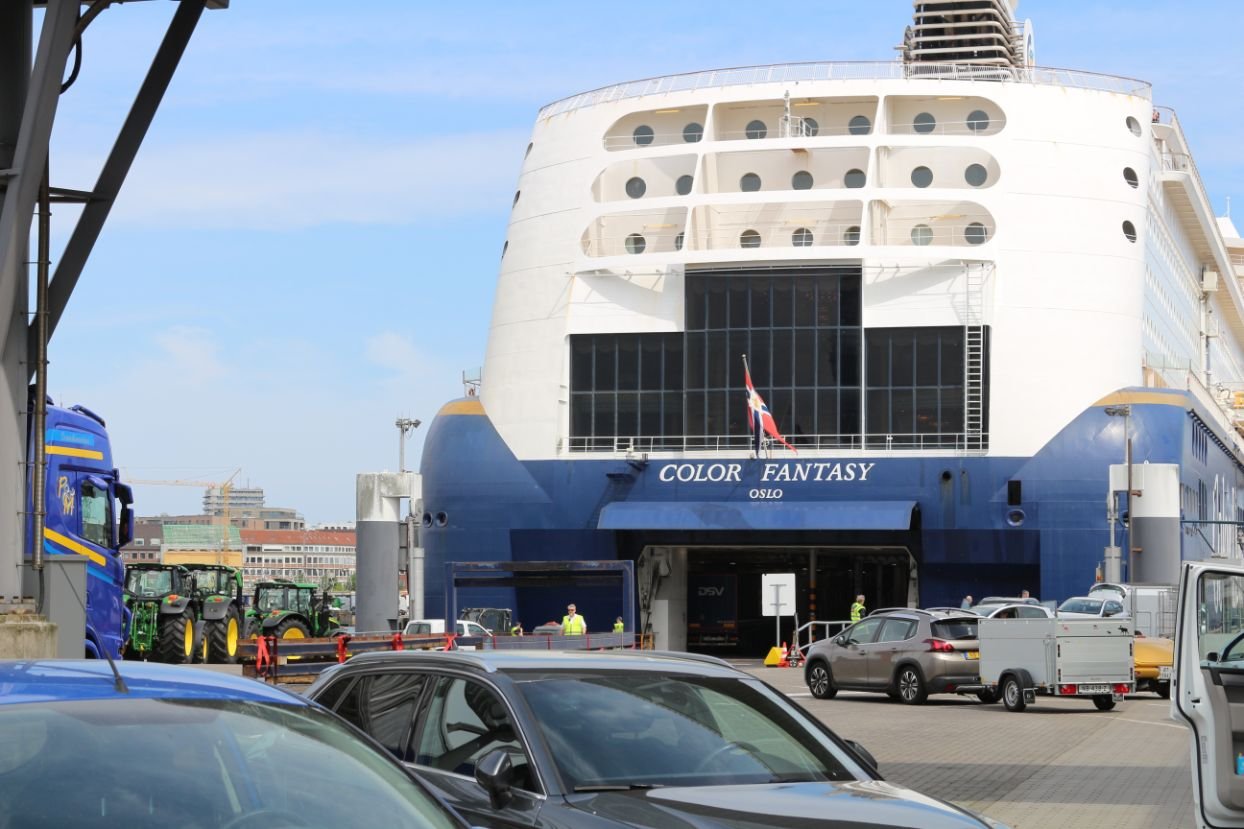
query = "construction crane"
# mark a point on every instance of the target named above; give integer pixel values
(225, 487)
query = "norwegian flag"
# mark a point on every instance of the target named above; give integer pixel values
(758, 415)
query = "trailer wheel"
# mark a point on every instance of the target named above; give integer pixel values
(222, 638)
(1104, 702)
(820, 683)
(988, 697)
(175, 641)
(1013, 694)
(911, 688)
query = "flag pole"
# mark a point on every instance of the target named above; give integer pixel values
(751, 420)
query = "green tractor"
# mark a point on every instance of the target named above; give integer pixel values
(290, 610)
(218, 596)
(160, 599)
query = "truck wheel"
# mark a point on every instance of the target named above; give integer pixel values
(175, 641)
(1013, 694)
(1164, 689)
(1104, 702)
(292, 629)
(820, 683)
(222, 638)
(987, 697)
(911, 688)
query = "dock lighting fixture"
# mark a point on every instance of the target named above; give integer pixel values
(405, 426)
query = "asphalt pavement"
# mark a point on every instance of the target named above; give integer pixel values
(1061, 764)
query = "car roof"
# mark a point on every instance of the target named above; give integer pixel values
(1007, 600)
(56, 680)
(492, 661)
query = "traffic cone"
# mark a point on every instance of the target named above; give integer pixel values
(783, 662)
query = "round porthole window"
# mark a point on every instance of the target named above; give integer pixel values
(976, 175)
(517, 193)
(924, 123)
(749, 183)
(921, 235)
(1133, 126)
(852, 235)
(922, 176)
(635, 187)
(635, 243)
(643, 135)
(801, 238)
(1129, 175)
(810, 127)
(678, 240)
(504, 248)
(801, 180)
(1015, 517)
(529, 146)
(854, 179)
(683, 186)
(978, 120)
(1129, 230)
(749, 239)
(976, 233)
(860, 125)
(441, 519)
(427, 519)
(757, 129)
(693, 132)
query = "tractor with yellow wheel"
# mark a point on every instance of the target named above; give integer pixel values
(219, 605)
(162, 612)
(290, 610)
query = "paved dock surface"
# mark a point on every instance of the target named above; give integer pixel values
(1061, 764)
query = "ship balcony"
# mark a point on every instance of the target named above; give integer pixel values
(943, 115)
(967, 168)
(949, 443)
(650, 231)
(778, 225)
(932, 224)
(659, 177)
(787, 170)
(1237, 264)
(809, 118)
(657, 128)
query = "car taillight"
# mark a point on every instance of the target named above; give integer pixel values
(1067, 689)
(939, 646)
(1122, 688)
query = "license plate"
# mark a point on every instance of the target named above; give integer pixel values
(972, 655)
(1094, 689)
(1164, 672)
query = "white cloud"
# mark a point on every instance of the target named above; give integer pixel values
(297, 179)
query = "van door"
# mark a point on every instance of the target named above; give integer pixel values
(1209, 687)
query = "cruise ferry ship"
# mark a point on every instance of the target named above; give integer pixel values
(964, 284)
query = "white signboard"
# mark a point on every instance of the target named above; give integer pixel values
(777, 594)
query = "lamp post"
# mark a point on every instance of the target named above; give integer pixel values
(405, 426)
(1114, 563)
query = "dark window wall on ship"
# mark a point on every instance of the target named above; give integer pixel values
(801, 335)
(625, 385)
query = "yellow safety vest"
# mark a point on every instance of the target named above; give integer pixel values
(857, 610)
(618, 627)
(575, 626)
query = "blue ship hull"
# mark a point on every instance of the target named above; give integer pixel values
(952, 513)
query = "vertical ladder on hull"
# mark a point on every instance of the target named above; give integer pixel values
(974, 357)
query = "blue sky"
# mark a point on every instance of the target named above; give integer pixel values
(307, 244)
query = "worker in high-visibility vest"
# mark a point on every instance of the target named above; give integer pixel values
(516, 629)
(857, 608)
(618, 627)
(572, 623)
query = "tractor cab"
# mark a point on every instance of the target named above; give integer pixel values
(162, 611)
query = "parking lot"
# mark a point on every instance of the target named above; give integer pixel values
(1062, 764)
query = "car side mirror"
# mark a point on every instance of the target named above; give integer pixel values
(493, 772)
(863, 754)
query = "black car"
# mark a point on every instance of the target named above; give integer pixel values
(608, 739)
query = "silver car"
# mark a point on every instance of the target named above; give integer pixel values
(904, 653)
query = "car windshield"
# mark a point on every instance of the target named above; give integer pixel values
(612, 730)
(206, 763)
(1092, 606)
(953, 629)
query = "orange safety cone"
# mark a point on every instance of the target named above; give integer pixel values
(783, 662)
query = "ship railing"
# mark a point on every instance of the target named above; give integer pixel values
(629, 446)
(1182, 163)
(845, 71)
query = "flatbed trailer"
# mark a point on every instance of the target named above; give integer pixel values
(1088, 658)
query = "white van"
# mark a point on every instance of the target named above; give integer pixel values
(436, 627)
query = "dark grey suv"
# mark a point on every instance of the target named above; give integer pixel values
(905, 653)
(607, 740)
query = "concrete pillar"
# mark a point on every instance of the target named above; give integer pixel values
(669, 603)
(379, 529)
(1153, 523)
(26, 636)
(64, 594)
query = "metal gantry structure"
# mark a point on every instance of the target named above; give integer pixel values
(31, 83)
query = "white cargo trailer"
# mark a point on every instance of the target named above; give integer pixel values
(1020, 658)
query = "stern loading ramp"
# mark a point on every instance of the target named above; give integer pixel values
(31, 83)
(700, 564)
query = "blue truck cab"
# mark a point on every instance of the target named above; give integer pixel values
(88, 514)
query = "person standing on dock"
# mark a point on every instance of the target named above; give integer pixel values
(572, 623)
(857, 608)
